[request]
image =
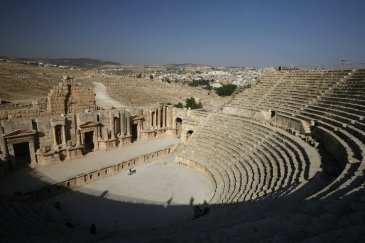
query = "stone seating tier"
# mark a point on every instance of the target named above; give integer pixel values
(271, 159)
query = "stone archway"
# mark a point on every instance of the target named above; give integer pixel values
(178, 122)
(188, 134)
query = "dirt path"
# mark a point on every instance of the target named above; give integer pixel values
(102, 97)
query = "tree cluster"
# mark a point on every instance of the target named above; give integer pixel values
(189, 103)
(204, 83)
(226, 89)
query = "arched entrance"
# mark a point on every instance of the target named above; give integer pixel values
(178, 122)
(188, 134)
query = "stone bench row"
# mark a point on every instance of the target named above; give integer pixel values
(25, 219)
(225, 153)
(351, 168)
(355, 136)
(290, 154)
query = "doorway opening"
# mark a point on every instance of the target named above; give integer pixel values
(58, 133)
(89, 141)
(134, 132)
(22, 153)
(188, 134)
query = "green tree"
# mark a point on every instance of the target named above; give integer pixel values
(202, 82)
(191, 103)
(226, 89)
(179, 105)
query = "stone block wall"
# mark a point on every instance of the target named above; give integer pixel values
(12, 125)
(19, 113)
(80, 99)
(55, 138)
(45, 131)
(69, 97)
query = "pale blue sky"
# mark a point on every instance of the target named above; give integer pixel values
(251, 33)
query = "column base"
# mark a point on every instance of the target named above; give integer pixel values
(155, 133)
(124, 140)
(105, 145)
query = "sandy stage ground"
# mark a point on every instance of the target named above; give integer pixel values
(158, 194)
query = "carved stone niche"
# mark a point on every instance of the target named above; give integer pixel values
(59, 132)
(20, 149)
(89, 136)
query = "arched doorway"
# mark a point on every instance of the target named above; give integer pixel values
(188, 134)
(273, 113)
(178, 122)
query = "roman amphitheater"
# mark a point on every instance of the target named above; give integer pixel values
(281, 161)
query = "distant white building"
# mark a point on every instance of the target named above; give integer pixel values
(216, 85)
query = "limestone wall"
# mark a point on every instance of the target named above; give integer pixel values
(19, 113)
(45, 134)
(69, 97)
(54, 138)
(12, 125)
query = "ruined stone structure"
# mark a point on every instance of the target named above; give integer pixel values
(69, 97)
(286, 157)
(71, 127)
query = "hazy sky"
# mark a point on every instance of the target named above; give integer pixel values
(253, 33)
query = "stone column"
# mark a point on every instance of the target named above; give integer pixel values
(156, 118)
(105, 135)
(139, 126)
(112, 129)
(173, 123)
(96, 137)
(165, 119)
(82, 138)
(99, 131)
(163, 116)
(78, 137)
(3, 147)
(168, 117)
(54, 136)
(63, 135)
(146, 124)
(11, 154)
(121, 119)
(128, 124)
(159, 117)
(33, 159)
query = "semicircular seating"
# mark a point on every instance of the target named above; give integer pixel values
(332, 101)
(250, 160)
